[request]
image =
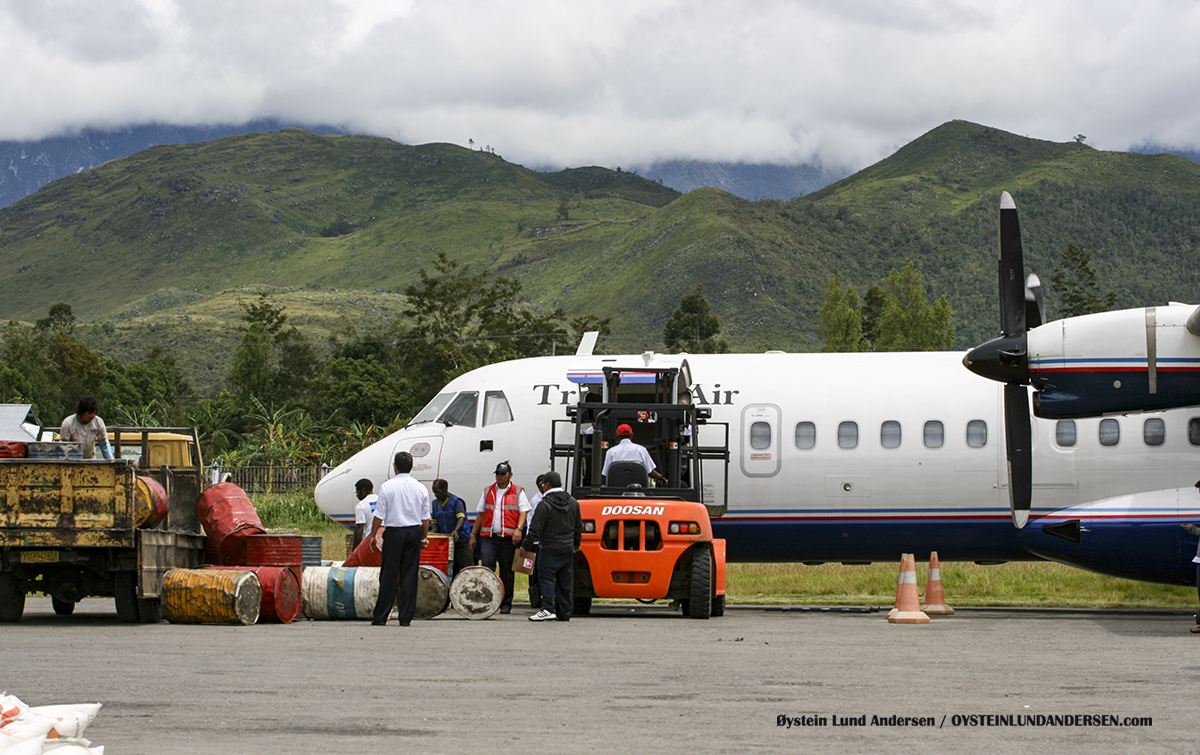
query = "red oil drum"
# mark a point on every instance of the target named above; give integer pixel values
(150, 502)
(12, 449)
(280, 591)
(439, 553)
(227, 515)
(366, 554)
(270, 550)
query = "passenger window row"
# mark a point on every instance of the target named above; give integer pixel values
(1154, 433)
(933, 434)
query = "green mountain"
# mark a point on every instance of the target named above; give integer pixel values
(158, 247)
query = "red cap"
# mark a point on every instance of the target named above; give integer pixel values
(624, 430)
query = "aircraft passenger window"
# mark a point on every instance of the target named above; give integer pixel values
(1065, 433)
(976, 433)
(806, 435)
(1154, 432)
(433, 409)
(848, 435)
(760, 435)
(1194, 431)
(889, 434)
(495, 408)
(462, 409)
(935, 434)
(1110, 432)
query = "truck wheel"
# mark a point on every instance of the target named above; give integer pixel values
(125, 596)
(718, 607)
(700, 589)
(150, 611)
(62, 607)
(12, 598)
(581, 607)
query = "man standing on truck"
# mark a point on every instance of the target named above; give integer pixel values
(499, 527)
(403, 511)
(557, 528)
(85, 427)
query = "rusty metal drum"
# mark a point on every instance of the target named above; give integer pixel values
(476, 592)
(433, 592)
(208, 596)
(281, 591)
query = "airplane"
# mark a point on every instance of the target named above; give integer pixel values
(853, 457)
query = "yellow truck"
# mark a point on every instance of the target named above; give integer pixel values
(69, 528)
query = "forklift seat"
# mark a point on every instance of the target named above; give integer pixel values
(624, 474)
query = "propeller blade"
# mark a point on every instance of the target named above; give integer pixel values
(1018, 439)
(1035, 303)
(1012, 270)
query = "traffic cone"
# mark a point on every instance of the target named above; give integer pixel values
(934, 596)
(908, 604)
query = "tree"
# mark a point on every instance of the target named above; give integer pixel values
(1075, 287)
(692, 328)
(840, 320)
(462, 319)
(908, 322)
(273, 363)
(893, 316)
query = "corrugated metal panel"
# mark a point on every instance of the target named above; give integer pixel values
(12, 416)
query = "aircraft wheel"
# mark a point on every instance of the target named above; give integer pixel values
(62, 607)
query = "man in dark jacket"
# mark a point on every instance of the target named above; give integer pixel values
(557, 528)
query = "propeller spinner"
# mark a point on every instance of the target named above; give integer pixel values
(1006, 359)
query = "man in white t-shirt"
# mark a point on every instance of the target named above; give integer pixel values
(627, 450)
(364, 510)
(86, 428)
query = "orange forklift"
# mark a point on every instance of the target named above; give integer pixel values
(643, 542)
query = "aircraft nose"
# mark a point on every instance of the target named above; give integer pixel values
(1001, 359)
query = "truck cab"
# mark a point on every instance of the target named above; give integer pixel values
(648, 538)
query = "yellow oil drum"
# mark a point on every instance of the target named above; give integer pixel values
(150, 503)
(205, 596)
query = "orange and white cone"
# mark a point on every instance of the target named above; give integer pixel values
(908, 603)
(934, 595)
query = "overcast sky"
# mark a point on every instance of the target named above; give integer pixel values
(574, 83)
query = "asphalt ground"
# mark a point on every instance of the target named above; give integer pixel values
(626, 679)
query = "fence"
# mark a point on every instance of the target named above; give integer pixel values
(270, 479)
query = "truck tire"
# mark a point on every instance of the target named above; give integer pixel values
(125, 597)
(150, 611)
(12, 598)
(700, 587)
(62, 607)
(581, 606)
(718, 607)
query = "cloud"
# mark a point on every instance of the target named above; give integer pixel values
(614, 83)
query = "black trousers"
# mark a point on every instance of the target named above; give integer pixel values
(401, 562)
(498, 550)
(555, 574)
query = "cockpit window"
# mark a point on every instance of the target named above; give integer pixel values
(462, 409)
(433, 408)
(495, 408)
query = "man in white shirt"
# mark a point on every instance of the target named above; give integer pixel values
(499, 527)
(403, 511)
(364, 510)
(627, 450)
(86, 428)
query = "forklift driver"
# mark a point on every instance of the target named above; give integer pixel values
(627, 450)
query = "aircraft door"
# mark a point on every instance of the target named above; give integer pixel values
(760, 440)
(426, 451)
